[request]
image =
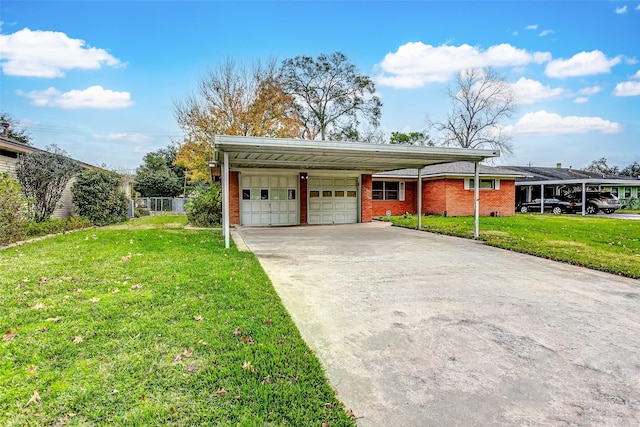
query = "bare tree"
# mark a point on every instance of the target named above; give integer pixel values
(481, 100)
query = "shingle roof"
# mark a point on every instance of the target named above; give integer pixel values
(455, 168)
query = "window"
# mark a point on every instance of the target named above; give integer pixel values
(314, 193)
(246, 194)
(386, 190)
(326, 193)
(485, 184)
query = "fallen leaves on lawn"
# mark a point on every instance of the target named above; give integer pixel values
(126, 258)
(53, 319)
(38, 306)
(221, 392)
(248, 340)
(42, 280)
(197, 317)
(115, 291)
(8, 335)
(136, 287)
(191, 368)
(34, 398)
(268, 321)
(94, 299)
(237, 331)
(77, 339)
(246, 365)
(351, 413)
(266, 380)
(31, 368)
(202, 342)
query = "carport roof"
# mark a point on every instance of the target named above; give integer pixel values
(276, 153)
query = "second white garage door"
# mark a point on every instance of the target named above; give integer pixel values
(333, 200)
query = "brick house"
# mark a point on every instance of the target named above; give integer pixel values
(271, 181)
(447, 189)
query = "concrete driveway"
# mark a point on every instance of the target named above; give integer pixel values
(418, 329)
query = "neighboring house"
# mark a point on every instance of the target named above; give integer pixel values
(551, 181)
(447, 189)
(9, 152)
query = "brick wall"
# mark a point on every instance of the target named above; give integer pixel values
(397, 207)
(234, 198)
(366, 204)
(450, 195)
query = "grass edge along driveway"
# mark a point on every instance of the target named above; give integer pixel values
(603, 244)
(147, 323)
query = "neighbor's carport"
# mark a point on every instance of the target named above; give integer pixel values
(235, 152)
(580, 186)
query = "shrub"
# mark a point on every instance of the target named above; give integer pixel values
(53, 226)
(12, 208)
(140, 212)
(97, 196)
(43, 176)
(204, 208)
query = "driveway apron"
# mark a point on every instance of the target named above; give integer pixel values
(419, 329)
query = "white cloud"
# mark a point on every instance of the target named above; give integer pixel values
(48, 54)
(581, 64)
(629, 88)
(531, 27)
(621, 10)
(530, 91)
(416, 64)
(581, 99)
(128, 137)
(591, 90)
(543, 122)
(92, 97)
(545, 33)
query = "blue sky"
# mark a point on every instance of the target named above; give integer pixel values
(100, 78)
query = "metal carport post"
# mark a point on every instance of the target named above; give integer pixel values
(225, 198)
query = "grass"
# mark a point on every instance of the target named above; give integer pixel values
(599, 243)
(147, 323)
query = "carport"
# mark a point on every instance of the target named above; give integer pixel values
(580, 186)
(275, 156)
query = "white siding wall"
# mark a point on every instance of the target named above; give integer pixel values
(65, 207)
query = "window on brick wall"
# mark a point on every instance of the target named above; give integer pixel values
(485, 184)
(387, 190)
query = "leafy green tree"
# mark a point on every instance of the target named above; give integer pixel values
(156, 178)
(13, 131)
(601, 166)
(43, 176)
(412, 138)
(331, 97)
(97, 195)
(632, 170)
(12, 207)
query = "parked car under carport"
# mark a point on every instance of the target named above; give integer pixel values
(556, 205)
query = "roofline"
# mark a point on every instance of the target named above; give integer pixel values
(624, 182)
(17, 147)
(383, 156)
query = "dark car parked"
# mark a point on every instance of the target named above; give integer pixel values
(556, 205)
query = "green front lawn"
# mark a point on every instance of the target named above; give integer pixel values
(147, 323)
(600, 243)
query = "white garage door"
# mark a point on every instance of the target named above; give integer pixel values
(268, 200)
(333, 200)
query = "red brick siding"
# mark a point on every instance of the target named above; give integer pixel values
(449, 195)
(234, 198)
(303, 201)
(397, 207)
(366, 204)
